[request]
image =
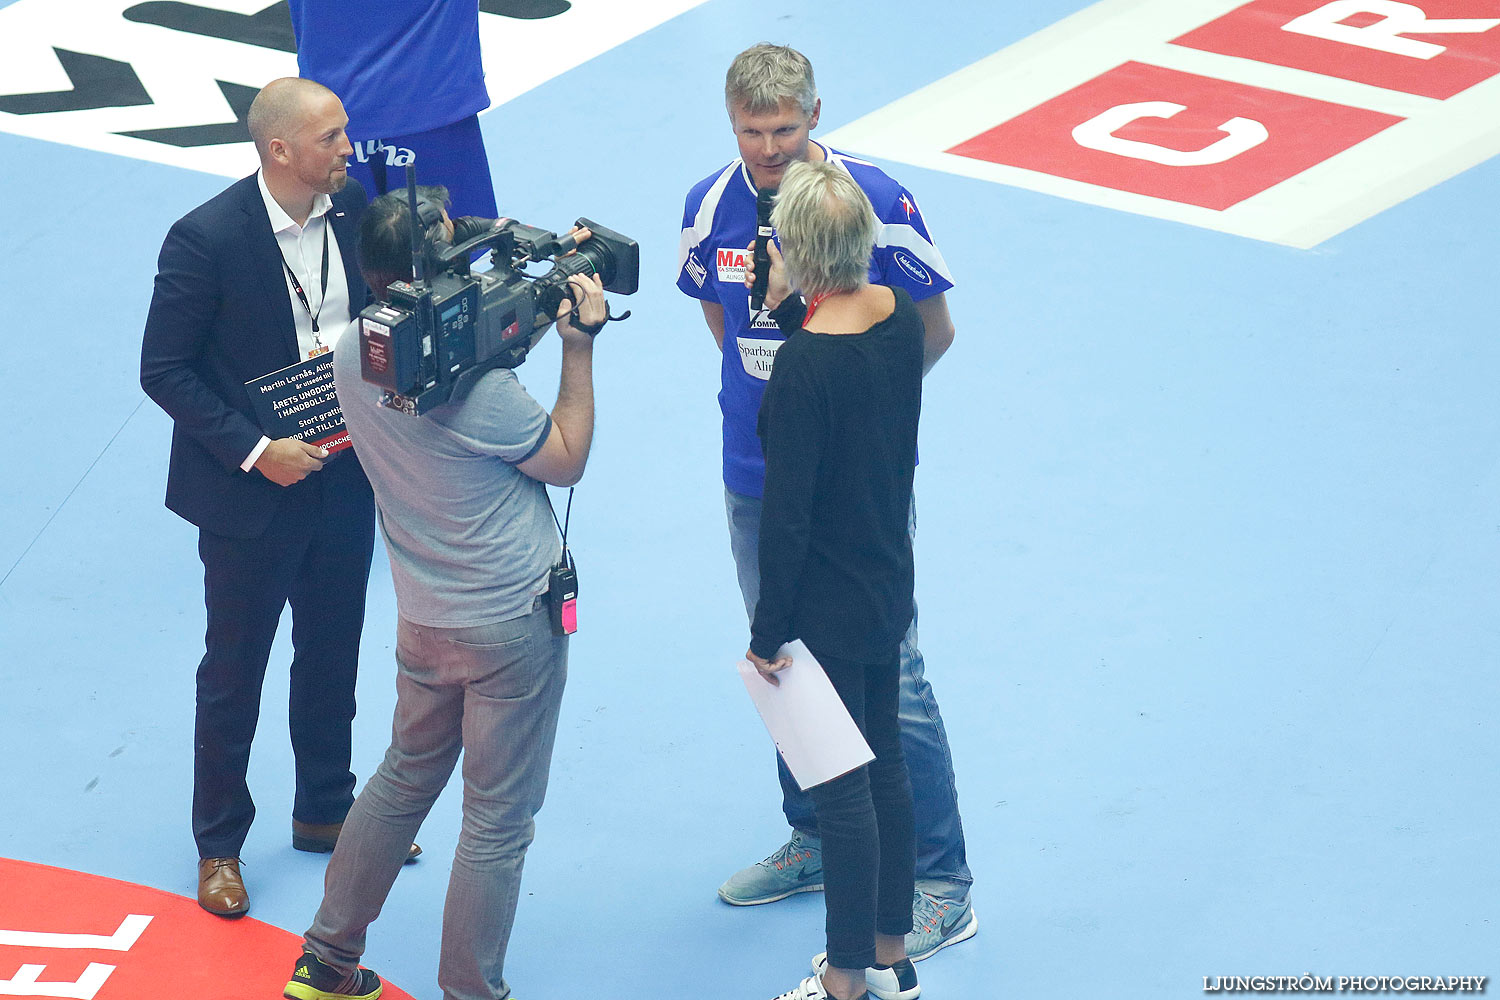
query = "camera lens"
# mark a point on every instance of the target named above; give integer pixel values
(601, 260)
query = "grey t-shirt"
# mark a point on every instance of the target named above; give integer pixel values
(470, 537)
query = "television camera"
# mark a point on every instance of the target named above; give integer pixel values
(433, 334)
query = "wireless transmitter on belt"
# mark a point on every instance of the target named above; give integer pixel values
(562, 596)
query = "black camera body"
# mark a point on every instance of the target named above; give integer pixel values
(433, 334)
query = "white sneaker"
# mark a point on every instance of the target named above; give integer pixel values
(898, 982)
(810, 988)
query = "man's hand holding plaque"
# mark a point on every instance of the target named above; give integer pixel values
(287, 460)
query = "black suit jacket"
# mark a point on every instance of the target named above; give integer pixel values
(220, 316)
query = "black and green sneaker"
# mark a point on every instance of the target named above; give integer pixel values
(312, 980)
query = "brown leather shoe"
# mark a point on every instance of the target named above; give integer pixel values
(320, 838)
(221, 891)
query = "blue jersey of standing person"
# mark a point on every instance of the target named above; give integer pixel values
(718, 223)
(412, 81)
(399, 66)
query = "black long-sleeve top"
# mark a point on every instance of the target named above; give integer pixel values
(838, 425)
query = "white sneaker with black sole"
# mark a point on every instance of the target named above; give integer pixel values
(893, 982)
(810, 988)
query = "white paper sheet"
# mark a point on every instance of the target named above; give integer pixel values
(809, 724)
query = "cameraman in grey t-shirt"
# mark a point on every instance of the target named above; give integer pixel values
(462, 506)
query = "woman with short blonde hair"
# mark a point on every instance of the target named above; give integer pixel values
(827, 228)
(838, 424)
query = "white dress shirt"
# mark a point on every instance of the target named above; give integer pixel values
(301, 247)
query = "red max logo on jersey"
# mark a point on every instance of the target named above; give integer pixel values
(731, 263)
(1136, 127)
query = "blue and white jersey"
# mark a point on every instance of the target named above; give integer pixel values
(718, 224)
(399, 66)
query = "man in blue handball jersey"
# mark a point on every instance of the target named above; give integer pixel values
(410, 75)
(773, 106)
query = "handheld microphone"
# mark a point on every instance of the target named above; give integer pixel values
(763, 201)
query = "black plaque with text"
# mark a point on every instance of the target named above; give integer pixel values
(298, 402)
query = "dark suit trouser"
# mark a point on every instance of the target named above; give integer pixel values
(315, 555)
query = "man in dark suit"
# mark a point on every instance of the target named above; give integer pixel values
(260, 277)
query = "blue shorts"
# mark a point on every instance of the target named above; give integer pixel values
(452, 156)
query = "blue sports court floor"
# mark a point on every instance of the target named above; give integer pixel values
(1209, 527)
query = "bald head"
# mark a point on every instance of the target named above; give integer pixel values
(282, 108)
(299, 131)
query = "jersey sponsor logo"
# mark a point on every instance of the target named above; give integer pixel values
(1281, 120)
(908, 206)
(375, 149)
(910, 265)
(695, 269)
(758, 356)
(173, 82)
(731, 264)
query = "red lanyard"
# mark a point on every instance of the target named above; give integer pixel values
(812, 307)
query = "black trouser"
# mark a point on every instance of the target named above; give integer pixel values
(315, 556)
(865, 820)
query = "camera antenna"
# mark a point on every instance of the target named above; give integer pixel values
(418, 267)
(425, 309)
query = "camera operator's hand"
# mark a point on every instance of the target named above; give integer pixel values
(287, 460)
(777, 289)
(579, 235)
(565, 452)
(589, 294)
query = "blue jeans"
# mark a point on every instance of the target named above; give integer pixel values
(494, 692)
(942, 862)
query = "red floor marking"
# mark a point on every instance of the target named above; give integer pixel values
(1302, 133)
(1257, 31)
(69, 934)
